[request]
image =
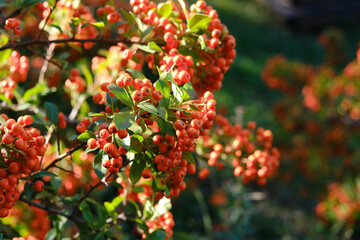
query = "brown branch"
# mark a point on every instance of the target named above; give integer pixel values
(44, 207)
(43, 57)
(63, 169)
(64, 155)
(44, 67)
(47, 140)
(66, 40)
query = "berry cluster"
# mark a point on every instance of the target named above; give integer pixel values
(213, 64)
(13, 25)
(18, 67)
(181, 66)
(75, 82)
(165, 221)
(215, 48)
(80, 19)
(340, 204)
(20, 148)
(248, 149)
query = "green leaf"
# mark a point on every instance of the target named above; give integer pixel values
(202, 42)
(63, 56)
(87, 150)
(28, 190)
(86, 136)
(141, 26)
(84, 67)
(5, 54)
(99, 169)
(122, 142)
(189, 157)
(135, 74)
(153, 46)
(51, 234)
(166, 127)
(117, 201)
(157, 235)
(117, 185)
(139, 137)
(148, 107)
(128, 17)
(43, 174)
(147, 31)
(75, 21)
(198, 22)
(165, 10)
(164, 88)
(101, 214)
(121, 94)
(142, 225)
(52, 112)
(3, 98)
(183, 6)
(188, 92)
(98, 25)
(163, 206)
(146, 49)
(3, 123)
(57, 27)
(100, 236)
(110, 208)
(136, 169)
(178, 94)
(163, 113)
(56, 182)
(86, 212)
(149, 210)
(135, 145)
(124, 120)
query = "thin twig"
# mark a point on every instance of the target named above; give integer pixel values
(43, 57)
(47, 140)
(66, 40)
(76, 108)
(43, 207)
(92, 188)
(46, 62)
(64, 155)
(46, 20)
(63, 169)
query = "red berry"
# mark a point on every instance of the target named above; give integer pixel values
(146, 173)
(39, 186)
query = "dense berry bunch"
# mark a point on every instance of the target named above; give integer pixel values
(18, 67)
(20, 148)
(142, 133)
(249, 150)
(213, 46)
(165, 221)
(340, 204)
(191, 121)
